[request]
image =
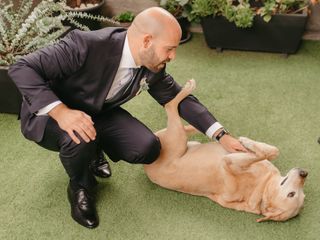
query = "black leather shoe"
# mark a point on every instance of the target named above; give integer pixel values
(83, 210)
(100, 167)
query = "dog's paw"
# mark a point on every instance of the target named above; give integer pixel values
(246, 142)
(189, 86)
(185, 91)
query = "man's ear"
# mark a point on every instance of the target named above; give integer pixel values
(147, 40)
(272, 214)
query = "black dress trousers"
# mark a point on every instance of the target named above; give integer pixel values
(119, 135)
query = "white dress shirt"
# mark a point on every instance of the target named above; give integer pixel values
(125, 70)
(123, 75)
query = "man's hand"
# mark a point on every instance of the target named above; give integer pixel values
(73, 121)
(231, 144)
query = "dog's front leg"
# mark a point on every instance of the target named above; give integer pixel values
(258, 151)
(239, 162)
(262, 150)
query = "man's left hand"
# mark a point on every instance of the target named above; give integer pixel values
(231, 144)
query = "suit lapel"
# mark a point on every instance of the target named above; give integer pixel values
(112, 63)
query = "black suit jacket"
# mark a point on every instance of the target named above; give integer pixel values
(79, 71)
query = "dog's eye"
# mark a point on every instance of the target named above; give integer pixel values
(291, 194)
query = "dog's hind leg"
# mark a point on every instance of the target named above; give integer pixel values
(191, 130)
(174, 138)
(241, 160)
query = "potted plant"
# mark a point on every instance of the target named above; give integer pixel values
(125, 18)
(257, 25)
(24, 30)
(84, 5)
(180, 9)
(89, 6)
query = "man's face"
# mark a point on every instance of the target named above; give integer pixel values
(158, 52)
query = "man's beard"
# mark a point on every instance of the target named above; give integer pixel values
(152, 62)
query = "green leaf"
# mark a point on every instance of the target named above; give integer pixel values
(267, 18)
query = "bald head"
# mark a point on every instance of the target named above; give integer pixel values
(155, 21)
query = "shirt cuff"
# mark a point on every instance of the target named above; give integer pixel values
(212, 129)
(44, 111)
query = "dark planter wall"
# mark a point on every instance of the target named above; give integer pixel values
(282, 34)
(10, 97)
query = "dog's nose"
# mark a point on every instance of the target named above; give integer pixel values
(303, 173)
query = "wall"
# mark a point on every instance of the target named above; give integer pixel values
(113, 7)
(313, 26)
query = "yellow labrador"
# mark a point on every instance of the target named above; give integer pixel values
(242, 181)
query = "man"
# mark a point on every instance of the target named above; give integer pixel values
(72, 94)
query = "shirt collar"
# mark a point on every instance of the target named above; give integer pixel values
(127, 60)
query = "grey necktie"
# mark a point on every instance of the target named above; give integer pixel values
(121, 92)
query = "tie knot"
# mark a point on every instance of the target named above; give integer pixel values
(134, 71)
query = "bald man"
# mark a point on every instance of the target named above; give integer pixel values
(72, 93)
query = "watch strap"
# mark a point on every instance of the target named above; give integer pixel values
(221, 134)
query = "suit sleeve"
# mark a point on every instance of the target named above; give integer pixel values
(190, 109)
(34, 73)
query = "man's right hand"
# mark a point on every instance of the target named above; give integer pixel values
(73, 121)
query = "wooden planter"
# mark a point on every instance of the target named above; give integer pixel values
(282, 34)
(10, 97)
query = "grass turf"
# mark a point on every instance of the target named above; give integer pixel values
(260, 95)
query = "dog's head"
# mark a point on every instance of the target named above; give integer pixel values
(284, 197)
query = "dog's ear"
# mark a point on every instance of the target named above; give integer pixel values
(272, 214)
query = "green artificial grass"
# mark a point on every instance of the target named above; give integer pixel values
(260, 95)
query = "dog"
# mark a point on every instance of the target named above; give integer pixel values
(245, 181)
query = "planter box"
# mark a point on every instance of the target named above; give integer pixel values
(281, 34)
(10, 97)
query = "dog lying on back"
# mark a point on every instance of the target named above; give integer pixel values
(242, 181)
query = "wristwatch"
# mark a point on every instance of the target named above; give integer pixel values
(221, 134)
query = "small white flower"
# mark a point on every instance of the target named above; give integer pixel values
(144, 86)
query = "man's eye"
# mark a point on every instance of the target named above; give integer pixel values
(291, 194)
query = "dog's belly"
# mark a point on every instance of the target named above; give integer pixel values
(196, 172)
(201, 171)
